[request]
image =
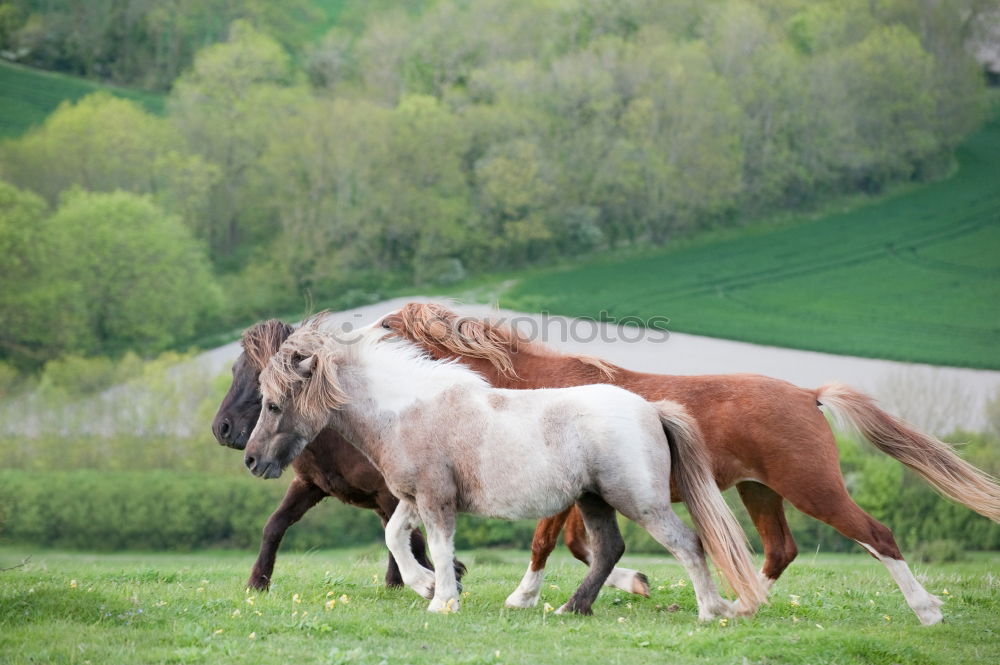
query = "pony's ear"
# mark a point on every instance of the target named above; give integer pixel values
(304, 366)
(323, 388)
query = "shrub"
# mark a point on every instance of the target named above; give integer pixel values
(940, 551)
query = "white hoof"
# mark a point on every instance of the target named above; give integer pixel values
(718, 608)
(930, 614)
(444, 606)
(424, 587)
(628, 580)
(521, 601)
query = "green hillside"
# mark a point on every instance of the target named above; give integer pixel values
(914, 278)
(27, 96)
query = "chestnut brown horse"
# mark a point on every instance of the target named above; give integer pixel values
(766, 436)
(329, 466)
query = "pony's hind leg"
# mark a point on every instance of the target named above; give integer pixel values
(397, 539)
(542, 543)
(668, 530)
(767, 510)
(608, 548)
(439, 520)
(626, 579)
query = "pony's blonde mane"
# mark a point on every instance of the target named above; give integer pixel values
(434, 325)
(318, 386)
(262, 340)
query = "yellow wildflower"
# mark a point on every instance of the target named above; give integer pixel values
(330, 603)
(72, 584)
(252, 635)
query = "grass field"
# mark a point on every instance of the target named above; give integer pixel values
(28, 96)
(914, 278)
(159, 608)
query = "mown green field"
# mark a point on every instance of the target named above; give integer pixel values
(914, 278)
(28, 96)
(158, 608)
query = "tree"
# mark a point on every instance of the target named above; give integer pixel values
(144, 281)
(105, 273)
(32, 315)
(227, 106)
(104, 143)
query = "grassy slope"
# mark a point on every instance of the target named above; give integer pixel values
(152, 608)
(28, 96)
(914, 278)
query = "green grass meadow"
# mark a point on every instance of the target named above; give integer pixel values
(192, 608)
(28, 96)
(913, 278)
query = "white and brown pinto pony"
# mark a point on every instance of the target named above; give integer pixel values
(447, 442)
(766, 436)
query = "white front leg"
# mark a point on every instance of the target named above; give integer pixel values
(442, 545)
(397, 538)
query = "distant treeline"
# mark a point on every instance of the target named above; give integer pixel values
(423, 143)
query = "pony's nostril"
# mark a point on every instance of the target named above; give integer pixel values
(249, 461)
(225, 428)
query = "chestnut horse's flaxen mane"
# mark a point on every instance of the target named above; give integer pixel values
(434, 325)
(262, 341)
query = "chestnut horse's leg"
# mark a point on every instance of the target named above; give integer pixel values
(825, 498)
(626, 579)
(544, 541)
(601, 523)
(398, 532)
(300, 497)
(767, 510)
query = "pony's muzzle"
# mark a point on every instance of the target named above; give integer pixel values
(262, 469)
(223, 431)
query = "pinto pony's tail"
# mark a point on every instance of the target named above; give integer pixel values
(934, 460)
(721, 534)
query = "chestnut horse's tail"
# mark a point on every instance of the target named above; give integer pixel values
(721, 535)
(934, 460)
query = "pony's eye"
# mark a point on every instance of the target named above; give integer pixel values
(385, 324)
(273, 408)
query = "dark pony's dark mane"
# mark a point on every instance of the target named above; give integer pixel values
(262, 340)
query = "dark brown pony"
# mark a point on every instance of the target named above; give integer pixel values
(329, 466)
(766, 436)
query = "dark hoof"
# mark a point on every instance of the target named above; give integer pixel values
(394, 584)
(573, 608)
(259, 583)
(460, 569)
(640, 585)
